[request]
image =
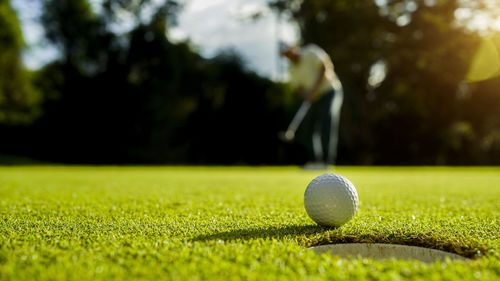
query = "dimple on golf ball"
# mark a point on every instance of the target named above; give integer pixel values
(331, 200)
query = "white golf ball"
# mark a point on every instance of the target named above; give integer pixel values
(331, 200)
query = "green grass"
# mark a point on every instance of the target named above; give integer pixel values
(190, 223)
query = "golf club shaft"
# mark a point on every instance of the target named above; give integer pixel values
(299, 116)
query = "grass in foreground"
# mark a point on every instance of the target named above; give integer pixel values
(84, 223)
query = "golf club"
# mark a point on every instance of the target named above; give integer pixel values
(289, 134)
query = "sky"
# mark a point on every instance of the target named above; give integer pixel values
(215, 25)
(38, 52)
(221, 24)
(210, 26)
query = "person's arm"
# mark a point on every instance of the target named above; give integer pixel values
(309, 94)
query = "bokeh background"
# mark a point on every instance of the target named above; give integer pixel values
(192, 82)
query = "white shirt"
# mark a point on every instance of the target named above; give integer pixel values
(304, 73)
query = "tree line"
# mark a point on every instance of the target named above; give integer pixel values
(120, 97)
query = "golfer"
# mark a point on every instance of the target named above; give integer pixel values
(312, 75)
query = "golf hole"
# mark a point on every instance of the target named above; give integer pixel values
(386, 251)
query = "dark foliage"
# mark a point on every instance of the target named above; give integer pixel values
(423, 112)
(19, 101)
(138, 98)
(135, 97)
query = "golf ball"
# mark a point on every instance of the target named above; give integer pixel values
(331, 200)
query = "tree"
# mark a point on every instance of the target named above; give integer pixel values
(19, 101)
(132, 96)
(414, 115)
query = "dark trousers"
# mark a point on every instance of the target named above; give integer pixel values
(319, 129)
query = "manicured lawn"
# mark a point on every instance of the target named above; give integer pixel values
(220, 223)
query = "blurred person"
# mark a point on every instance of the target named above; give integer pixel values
(313, 77)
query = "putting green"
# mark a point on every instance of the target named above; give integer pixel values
(239, 223)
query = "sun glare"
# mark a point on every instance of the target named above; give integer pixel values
(479, 15)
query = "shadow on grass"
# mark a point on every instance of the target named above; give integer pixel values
(263, 232)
